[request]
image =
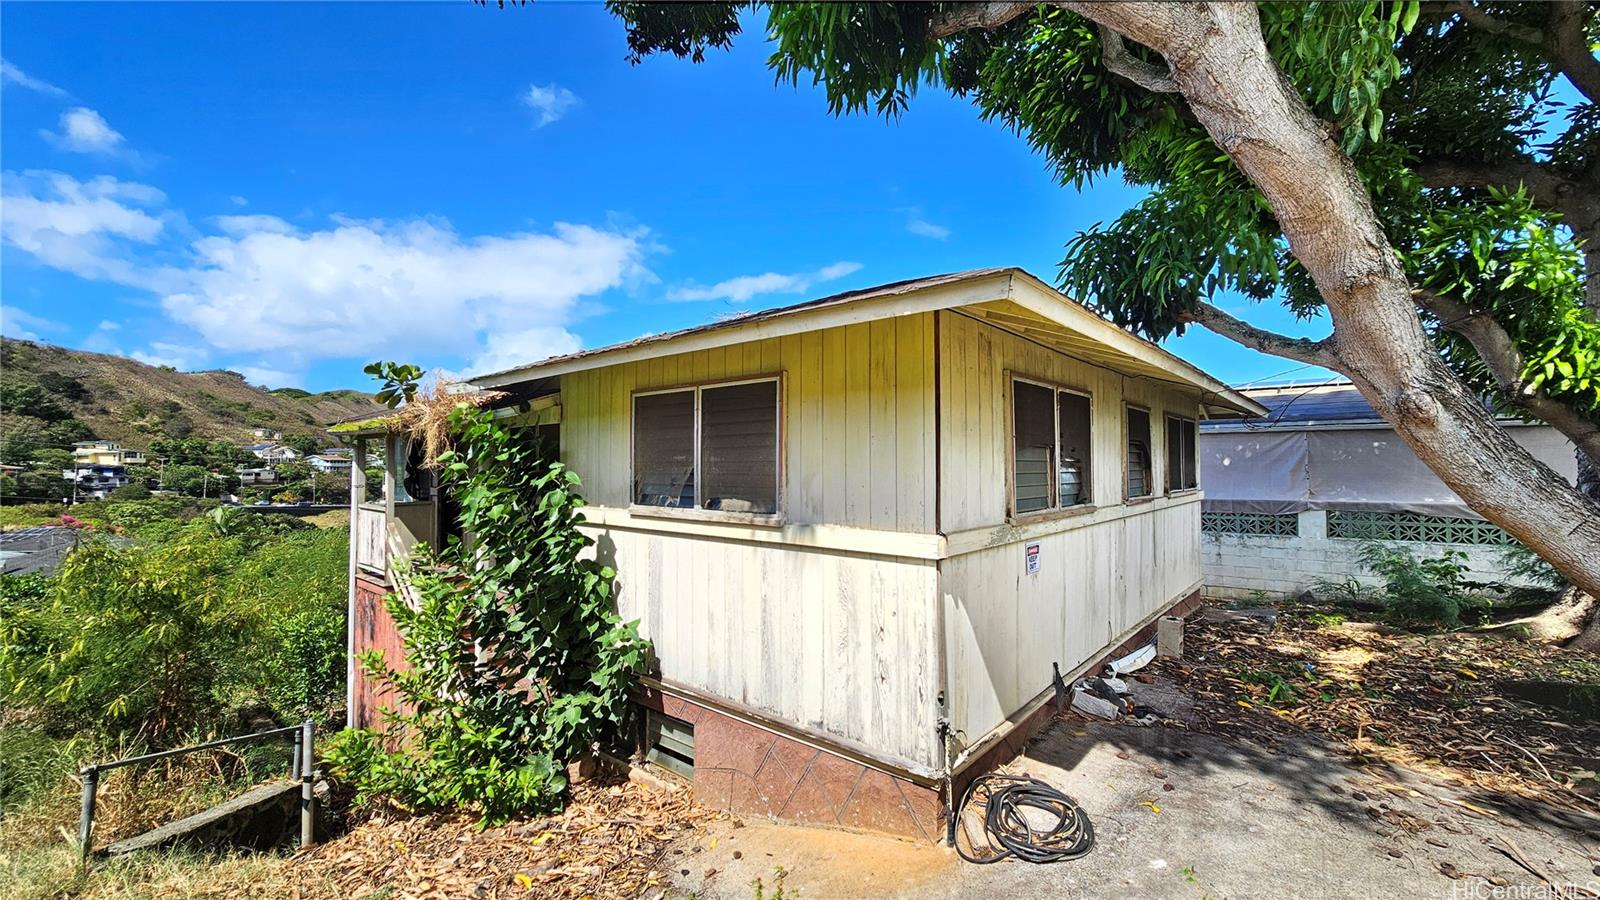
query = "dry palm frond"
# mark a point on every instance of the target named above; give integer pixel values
(426, 417)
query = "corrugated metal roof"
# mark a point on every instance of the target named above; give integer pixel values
(1303, 406)
(1322, 404)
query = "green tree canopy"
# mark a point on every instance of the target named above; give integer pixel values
(1406, 169)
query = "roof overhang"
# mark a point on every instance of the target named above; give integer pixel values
(1010, 299)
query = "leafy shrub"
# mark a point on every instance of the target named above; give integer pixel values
(125, 639)
(517, 662)
(305, 664)
(131, 491)
(1426, 590)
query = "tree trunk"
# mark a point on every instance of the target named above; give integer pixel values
(1220, 64)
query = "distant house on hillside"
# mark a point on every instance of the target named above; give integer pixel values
(105, 453)
(1291, 497)
(95, 482)
(273, 452)
(328, 462)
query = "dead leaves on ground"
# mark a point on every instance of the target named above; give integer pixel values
(1431, 701)
(615, 839)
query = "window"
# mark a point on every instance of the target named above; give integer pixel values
(1181, 461)
(1050, 448)
(712, 448)
(1138, 461)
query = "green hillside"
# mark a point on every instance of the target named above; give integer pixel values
(51, 396)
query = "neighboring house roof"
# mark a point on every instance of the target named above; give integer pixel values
(1334, 403)
(1009, 298)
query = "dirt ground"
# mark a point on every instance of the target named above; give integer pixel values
(1303, 756)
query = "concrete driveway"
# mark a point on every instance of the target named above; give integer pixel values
(1181, 814)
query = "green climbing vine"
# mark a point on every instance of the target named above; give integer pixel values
(516, 661)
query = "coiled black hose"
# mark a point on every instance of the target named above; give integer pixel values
(1005, 800)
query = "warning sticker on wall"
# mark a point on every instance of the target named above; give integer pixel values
(1031, 557)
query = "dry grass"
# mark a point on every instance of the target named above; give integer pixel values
(53, 871)
(333, 518)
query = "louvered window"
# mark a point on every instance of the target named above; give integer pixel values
(1181, 463)
(1050, 431)
(1139, 462)
(711, 448)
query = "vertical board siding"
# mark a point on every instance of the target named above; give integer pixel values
(838, 642)
(857, 420)
(843, 644)
(978, 360)
(1004, 628)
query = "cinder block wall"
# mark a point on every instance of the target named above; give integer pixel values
(1236, 566)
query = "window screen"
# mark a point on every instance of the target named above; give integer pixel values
(1181, 473)
(1138, 453)
(739, 447)
(663, 449)
(1033, 427)
(1072, 467)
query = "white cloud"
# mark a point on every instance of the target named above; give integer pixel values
(107, 325)
(77, 225)
(508, 349)
(243, 225)
(744, 287)
(268, 377)
(182, 357)
(917, 225)
(84, 131)
(409, 289)
(552, 101)
(10, 74)
(255, 285)
(17, 323)
(237, 200)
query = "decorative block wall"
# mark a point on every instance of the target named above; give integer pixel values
(1236, 565)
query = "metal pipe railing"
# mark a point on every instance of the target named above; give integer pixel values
(300, 769)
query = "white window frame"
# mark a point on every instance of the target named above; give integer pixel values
(1054, 509)
(1194, 458)
(776, 517)
(1127, 434)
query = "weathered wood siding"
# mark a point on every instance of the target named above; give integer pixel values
(1096, 581)
(974, 372)
(840, 643)
(829, 621)
(1102, 572)
(857, 420)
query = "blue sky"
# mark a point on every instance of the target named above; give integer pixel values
(292, 191)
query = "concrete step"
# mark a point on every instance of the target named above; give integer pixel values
(260, 817)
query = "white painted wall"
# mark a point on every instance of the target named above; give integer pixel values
(1238, 566)
(1103, 572)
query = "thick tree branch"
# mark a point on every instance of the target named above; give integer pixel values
(1568, 45)
(1563, 39)
(1577, 202)
(1316, 353)
(1118, 61)
(968, 16)
(1480, 19)
(1505, 364)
